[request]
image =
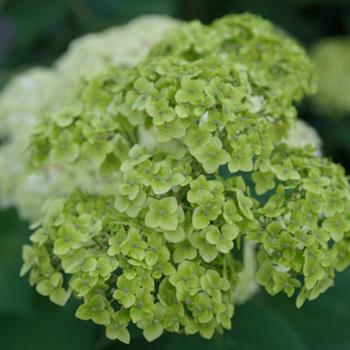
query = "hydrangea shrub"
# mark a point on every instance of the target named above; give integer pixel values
(193, 140)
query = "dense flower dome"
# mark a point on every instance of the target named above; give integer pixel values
(194, 142)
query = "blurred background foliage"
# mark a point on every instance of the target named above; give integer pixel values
(35, 32)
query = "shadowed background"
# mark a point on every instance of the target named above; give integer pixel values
(36, 32)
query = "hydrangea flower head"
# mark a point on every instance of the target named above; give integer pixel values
(194, 141)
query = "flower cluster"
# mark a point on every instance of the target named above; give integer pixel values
(45, 90)
(195, 141)
(264, 46)
(209, 103)
(331, 58)
(304, 234)
(146, 266)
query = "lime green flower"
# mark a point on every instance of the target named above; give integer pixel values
(284, 282)
(116, 329)
(313, 202)
(230, 212)
(66, 116)
(69, 239)
(52, 287)
(94, 308)
(209, 208)
(223, 238)
(40, 236)
(143, 307)
(130, 185)
(156, 251)
(127, 290)
(184, 251)
(264, 181)
(186, 277)
(164, 178)
(145, 88)
(264, 276)
(315, 183)
(73, 261)
(212, 283)
(191, 91)
(131, 207)
(162, 213)
(245, 204)
(134, 246)
(98, 150)
(152, 326)
(203, 308)
(171, 130)
(115, 242)
(83, 284)
(288, 244)
(104, 267)
(337, 226)
(175, 236)
(29, 257)
(199, 184)
(207, 251)
(334, 202)
(196, 137)
(285, 171)
(241, 159)
(65, 149)
(313, 269)
(211, 155)
(183, 110)
(160, 112)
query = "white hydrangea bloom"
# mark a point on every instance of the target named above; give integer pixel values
(23, 99)
(126, 44)
(302, 134)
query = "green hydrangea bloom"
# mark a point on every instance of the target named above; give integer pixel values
(331, 58)
(197, 139)
(263, 47)
(300, 240)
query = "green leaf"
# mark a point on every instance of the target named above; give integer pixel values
(51, 327)
(257, 325)
(15, 293)
(323, 323)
